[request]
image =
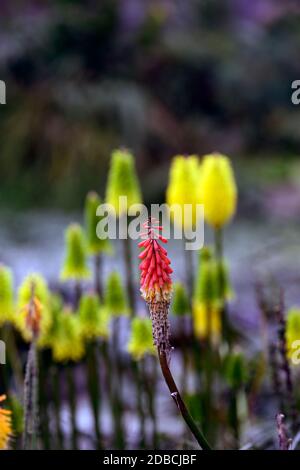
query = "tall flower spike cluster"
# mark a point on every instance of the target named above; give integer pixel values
(75, 263)
(5, 425)
(218, 191)
(183, 188)
(156, 284)
(6, 295)
(122, 181)
(293, 334)
(95, 245)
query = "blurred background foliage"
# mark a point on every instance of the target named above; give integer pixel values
(161, 77)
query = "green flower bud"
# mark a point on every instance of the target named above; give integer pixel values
(93, 318)
(95, 244)
(55, 308)
(141, 340)
(205, 290)
(75, 264)
(122, 181)
(206, 305)
(222, 282)
(236, 370)
(180, 304)
(115, 300)
(67, 344)
(6, 295)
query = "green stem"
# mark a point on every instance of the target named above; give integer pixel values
(43, 401)
(78, 293)
(72, 403)
(138, 376)
(117, 390)
(129, 274)
(218, 233)
(197, 433)
(151, 391)
(234, 416)
(57, 406)
(97, 274)
(94, 389)
(188, 257)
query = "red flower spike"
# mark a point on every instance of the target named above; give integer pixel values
(156, 284)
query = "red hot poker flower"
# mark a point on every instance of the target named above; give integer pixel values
(156, 283)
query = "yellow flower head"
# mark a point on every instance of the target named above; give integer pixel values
(122, 181)
(67, 343)
(141, 341)
(293, 332)
(75, 262)
(6, 295)
(206, 301)
(183, 189)
(218, 191)
(5, 425)
(94, 318)
(207, 321)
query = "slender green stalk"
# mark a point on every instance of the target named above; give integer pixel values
(108, 382)
(150, 389)
(97, 274)
(195, 430)
(94, 389)
(234, 416)
(57, 406)
(129, 274)
(138, 377)
(78, 293)
(43, 401)
(31, 400)
(73, 405)
(188, 257)
(119, 439)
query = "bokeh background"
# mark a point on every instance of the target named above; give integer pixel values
(161, 77)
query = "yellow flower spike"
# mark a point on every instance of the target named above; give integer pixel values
(141, 341)
(218, 191)
(207, 319)
(6, 295)
(207, 306)
(183, 188)
(122, 181)
(75, 263)
(67, 343)
(93, 317)
(293, 333)
(5, 425)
